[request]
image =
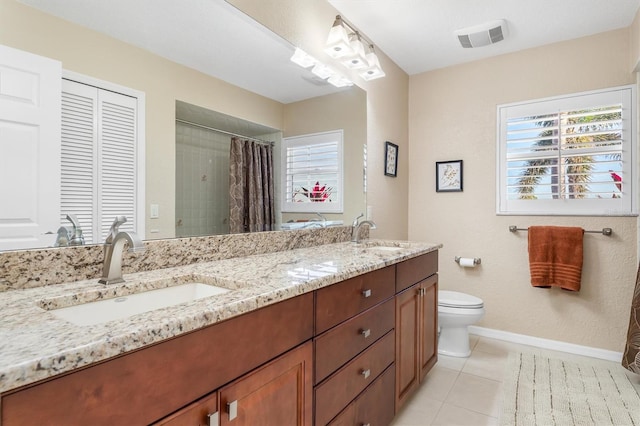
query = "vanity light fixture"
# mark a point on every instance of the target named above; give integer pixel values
(345, 43)
(300, 57)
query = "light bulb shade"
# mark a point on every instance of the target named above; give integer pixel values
(337, 45)
(374, 70)
(303, 59)
(322, 71)
(340, 81)
(358, 60)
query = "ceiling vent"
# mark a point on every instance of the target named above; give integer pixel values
(483, 34)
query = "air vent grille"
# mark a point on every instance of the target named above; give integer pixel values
(483, 34)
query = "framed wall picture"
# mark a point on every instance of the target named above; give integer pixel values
(449, 176)
(390, 159)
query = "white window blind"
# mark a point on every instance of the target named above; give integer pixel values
(99, 158)
(313, 173)
(568, 155)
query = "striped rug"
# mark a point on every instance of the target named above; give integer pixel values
(545, 391)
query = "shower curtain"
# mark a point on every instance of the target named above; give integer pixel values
(251, 187)
(631, 356)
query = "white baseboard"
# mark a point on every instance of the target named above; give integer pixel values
(538, 342)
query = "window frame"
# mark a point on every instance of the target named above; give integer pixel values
(623, 206)
(313, 139)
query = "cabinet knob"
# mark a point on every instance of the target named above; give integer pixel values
(232, 409)
(366, 293)
(366, 373)
(365, 332)
(214, 419)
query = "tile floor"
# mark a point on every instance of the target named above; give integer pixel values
(468, 391)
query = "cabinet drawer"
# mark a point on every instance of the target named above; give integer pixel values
(343, 300)
(336, 392)
(374, 406)
(338, 345)
(417, 269)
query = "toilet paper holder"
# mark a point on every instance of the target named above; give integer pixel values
(476, 260)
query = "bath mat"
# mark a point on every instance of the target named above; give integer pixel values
(547, 391)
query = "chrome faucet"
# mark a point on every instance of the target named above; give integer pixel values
(113, 247)
(355, 221)
(355, 232)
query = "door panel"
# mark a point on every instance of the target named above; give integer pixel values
(30, 88)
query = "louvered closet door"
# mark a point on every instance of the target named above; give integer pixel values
(79, 155)
(99, 158)
(117, 163)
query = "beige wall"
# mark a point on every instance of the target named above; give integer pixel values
(453, 116)
(306, 24)
(164, 82)
(343, 110)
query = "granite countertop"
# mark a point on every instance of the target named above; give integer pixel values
(37, 345)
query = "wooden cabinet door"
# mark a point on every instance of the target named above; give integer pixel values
(280, 393)
(416, 336)
(407, 343)
(428, 325)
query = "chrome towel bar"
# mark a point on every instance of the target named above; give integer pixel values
(605, 231)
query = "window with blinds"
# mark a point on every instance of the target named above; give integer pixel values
(312, 173)
(570, 155)
(99, 159)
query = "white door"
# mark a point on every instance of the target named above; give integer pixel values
(30, 88)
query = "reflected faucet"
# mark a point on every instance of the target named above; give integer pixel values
(113, 248)
(70, 235)
(355, 232)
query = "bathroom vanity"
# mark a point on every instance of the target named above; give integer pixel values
(336, 334)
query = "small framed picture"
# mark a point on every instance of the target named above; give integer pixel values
(391, 159)
(449, 176)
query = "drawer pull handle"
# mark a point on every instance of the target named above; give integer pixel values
(365, 332)
(232, 409)
(366, 373)
(366, 424)
(366, 293)
(214, 419)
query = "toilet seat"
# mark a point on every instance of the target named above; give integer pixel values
(454, 299)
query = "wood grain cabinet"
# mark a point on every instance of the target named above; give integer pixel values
(355, 349)
(277, 394)
(416, 324)
(144, 386)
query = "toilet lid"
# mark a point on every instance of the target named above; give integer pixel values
(454, 299)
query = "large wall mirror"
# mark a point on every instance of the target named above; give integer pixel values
(195, 62)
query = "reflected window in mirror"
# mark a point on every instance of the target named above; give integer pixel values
(312, 175)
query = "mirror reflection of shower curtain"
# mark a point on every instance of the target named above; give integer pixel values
(251, 186)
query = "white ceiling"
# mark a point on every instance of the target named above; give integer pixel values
(213, 37)
(210, 36)
(418, 34)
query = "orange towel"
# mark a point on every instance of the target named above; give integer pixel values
(555, 256)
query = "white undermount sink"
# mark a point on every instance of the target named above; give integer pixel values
(384, 245)
(102, 311)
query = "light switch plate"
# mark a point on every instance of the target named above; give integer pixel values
(155, 211)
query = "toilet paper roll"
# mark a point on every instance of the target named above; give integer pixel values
(467, 262)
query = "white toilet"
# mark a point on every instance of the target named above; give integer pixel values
(456, 312)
